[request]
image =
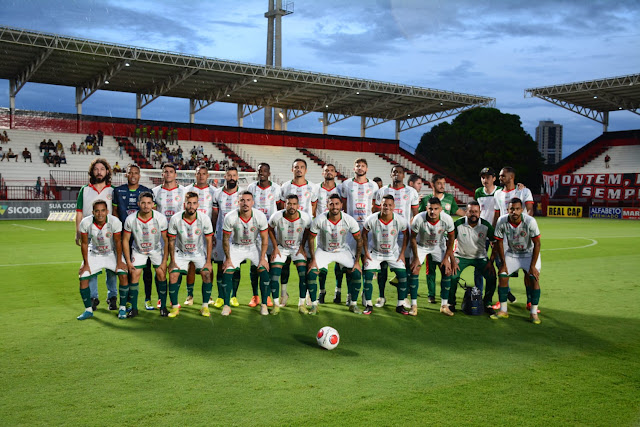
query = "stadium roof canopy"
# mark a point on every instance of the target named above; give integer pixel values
(594, 99)
(88, 65)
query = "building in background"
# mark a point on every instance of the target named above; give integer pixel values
(549, 140)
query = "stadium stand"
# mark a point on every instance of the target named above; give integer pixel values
(624, 159)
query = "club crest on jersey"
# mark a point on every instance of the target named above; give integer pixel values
(270, 196)
(108, 234)
(306, 194)
(523, 233)
(208, 197)
(252, 229)
(481, 236)
(405, 197)
(299, 229)
(343, 232)
(198, 232)
(368, 191)
(393, 232)
(177, 198)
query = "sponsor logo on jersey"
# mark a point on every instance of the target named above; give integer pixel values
(361, 205)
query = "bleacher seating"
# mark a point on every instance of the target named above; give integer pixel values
(209, 149)
(624, 159)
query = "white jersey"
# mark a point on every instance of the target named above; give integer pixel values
(265, 199)
(190, 236)
(289, 233)
(383, 236)
(89, 194)
(471, 241)
(487, 203)
(502, 197)
(307, 195)
(147, 235)
(406, 198)
(245, 234)
(224, 202)
(323, 198)
(205, 198)
(168, 201)
(432, 236)
(519, 237)
(100, 239)
(333, 236)
(358, 198)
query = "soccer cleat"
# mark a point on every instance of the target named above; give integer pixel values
(535, 319)
(303, 310)
(355, 309)
(269, 302)
(489, 310)
(380, 302)
(321, 297)
(128, 306)
(94, 303)
(204, 311)
(432, 300)
(413, 311)
(85, 315)
(529, 307)
(511, 297)
(452, 308)
(122, 313)
(496, 306)
(275, 310)
(338, 298)
(314, 310)
(234, 302)
(264, 311)
(368, 310)
(499, 315)
(308, 299)
(159, 304)
(113, 303)
(401, 310)
(226, 310)
(189, 300)
(164, 312)
(132, 313)
(149, 305)
(445, 310)
(254, 301)
(284, 299)
(219, 303)
(211, 301)
(406, 303)
(174, 311)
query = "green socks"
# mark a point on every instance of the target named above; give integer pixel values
(173, 293)
(85, 294)
(275, 281)
(133, 295)
(206, 292)
(190, 289)
(162, 292)
(124, 294)
(368, 284)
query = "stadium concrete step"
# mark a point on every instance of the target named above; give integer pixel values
(624, 159)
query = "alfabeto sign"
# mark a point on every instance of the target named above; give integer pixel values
(32, 209)
(565, 211)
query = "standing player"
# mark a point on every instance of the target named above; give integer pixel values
(190, 242)
(245, 228)
(99, 188)
(415, 182)
(432, 240)
(406, 200)
(383, 246)
(287, 229)
(449, 205)
(225, 200)
(333, 228)
(472, 233)
(144, 242)
(266, 196)
(101, 247)
(523, 252)
(205, 194)
(326, 189)
(125, 202)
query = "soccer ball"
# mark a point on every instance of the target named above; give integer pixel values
(328, 338)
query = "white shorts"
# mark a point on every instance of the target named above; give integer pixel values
(343, 257)
(514, 264)
(98, 262)
(238, 255)
(377, 259)
(288, 253)
(182, 260)
(436, 254)
(140, 260)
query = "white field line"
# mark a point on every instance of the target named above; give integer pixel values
(26, 226)
(593, 243)
(41, 263)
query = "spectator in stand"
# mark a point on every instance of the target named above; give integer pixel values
(89, 147)
(9, 155)
(38, 187)
(100, 137)
(43, 145)
(46, 157)
(59, 146)
(74, 148)
(117, 168)
(161, 134)
(56, 159)
(63, 157)
(82, 149)
(144, 133)
(216, 166)
(26, 154)
(121, 147)
(96, 150)
(175, 134)
(4, 138)
(607, 159)
(45, 191)
(201, 150)
(137, 134)
(152, 135)
(50, 145)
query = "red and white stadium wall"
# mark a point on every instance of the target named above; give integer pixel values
(71, 123)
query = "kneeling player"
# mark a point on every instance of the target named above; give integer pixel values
(385, 227)
(287, 229)
(432, 240)
(190, 241)
(101, 247)
(333, 226)
(147, 229)
(523, 252)
(243, 228)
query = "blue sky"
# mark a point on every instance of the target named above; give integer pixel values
(490, 48)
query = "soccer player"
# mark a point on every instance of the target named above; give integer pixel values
(99, 188)
(406, 200)
(383, 246)
(144, 242)
(125, 202)
(205, 194)
(190, 241)
(333, 228)
(449, 205)
(287, 229)
(326, 189)
(432, 240)
(225, 200)
(415, 182)
(523, 252)
(244, 229)
(100, 244)
(472, 232)
(266, 196)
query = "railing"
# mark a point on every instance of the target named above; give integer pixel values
(25, 192)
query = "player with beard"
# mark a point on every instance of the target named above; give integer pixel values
(326, 189)
(266, 196)
(99, 188)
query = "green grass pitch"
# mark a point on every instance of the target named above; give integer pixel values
(580, 366)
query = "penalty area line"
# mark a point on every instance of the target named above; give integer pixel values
(26, 226)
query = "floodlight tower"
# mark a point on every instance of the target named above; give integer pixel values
(274, 54)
